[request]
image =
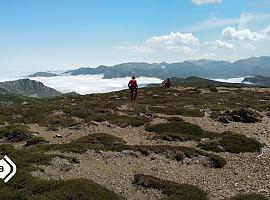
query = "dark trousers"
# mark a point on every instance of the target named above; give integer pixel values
(133, 93)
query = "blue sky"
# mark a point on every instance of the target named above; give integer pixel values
(63, 34)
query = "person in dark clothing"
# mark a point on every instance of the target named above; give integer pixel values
(168, 83)
(133, 88)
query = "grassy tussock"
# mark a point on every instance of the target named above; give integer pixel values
(172, 190)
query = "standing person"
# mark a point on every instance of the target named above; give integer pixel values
(133, 88)
(168, 83)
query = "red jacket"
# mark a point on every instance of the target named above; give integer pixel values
(132, 84)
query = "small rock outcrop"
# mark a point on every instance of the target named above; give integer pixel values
(243, 115)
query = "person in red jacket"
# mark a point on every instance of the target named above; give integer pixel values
(133, 88)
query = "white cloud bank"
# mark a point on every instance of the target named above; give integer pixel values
(201, 2)
(88, 84)
(82, 84)
(231, 33)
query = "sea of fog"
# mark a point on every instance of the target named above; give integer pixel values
(87, 84)
(231, 80)
(82, 84)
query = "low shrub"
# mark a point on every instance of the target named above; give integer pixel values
(172, 190)
(35, 140)
(15, 133)
(177, 110)
(251, 196)
(178, 129)
(233, 143)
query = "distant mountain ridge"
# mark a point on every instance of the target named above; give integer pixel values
(194, 81)
(202, 68)
(27, 87)
(43, 74)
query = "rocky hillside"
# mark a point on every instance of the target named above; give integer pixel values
(27, 87)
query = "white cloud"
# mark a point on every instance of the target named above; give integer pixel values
(172, 39)
(231, 33)
(266, 31)
(223, 45)
(201, 2)
(175, 41)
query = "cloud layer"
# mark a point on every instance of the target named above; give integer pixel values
(201, 2)
(87, 84)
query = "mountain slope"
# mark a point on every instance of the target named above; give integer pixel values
(258, 80)
(202, 68)
(194, 81)
(28, 87)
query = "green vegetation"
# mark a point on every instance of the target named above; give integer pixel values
(178, 129)
(15, 133)
(233, 143)
(35, 140)
(101, 139)
(252, 196)
(104, 142)
(179, 153)
(119, 120)
(177, 110)
(26, 187)
(172, 190)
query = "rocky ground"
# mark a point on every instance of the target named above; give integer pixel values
(64, 120)
(245, 173)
